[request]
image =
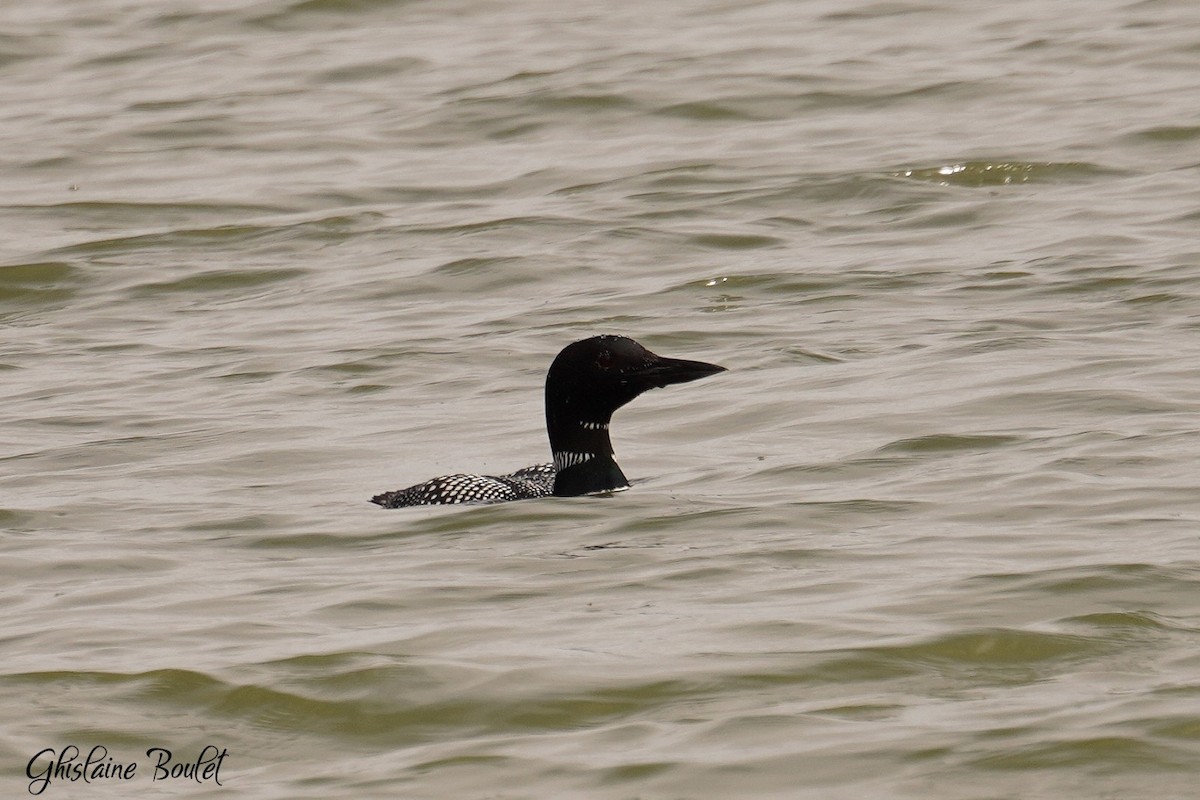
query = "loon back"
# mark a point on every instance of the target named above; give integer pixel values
(524, 484)
(588, 381)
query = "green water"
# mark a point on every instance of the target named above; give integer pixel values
(934, 534)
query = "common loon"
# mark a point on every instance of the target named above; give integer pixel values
(588, 381)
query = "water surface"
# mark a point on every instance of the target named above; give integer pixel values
(933, 535)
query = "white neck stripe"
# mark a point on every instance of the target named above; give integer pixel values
(568, 458)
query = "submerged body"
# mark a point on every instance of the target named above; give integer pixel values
(588, 381)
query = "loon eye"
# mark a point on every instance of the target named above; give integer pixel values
(604, 360)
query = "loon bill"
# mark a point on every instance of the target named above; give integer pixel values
(588, 381)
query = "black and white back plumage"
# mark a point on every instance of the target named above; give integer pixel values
(524, 484)
(588, 381)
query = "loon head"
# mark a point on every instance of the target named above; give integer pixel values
(588, 381)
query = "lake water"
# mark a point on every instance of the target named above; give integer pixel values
(934, 534)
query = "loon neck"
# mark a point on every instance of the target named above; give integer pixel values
(583, 457)
(577, 436)
(596, 473)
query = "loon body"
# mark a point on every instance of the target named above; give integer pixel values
(588, 381)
